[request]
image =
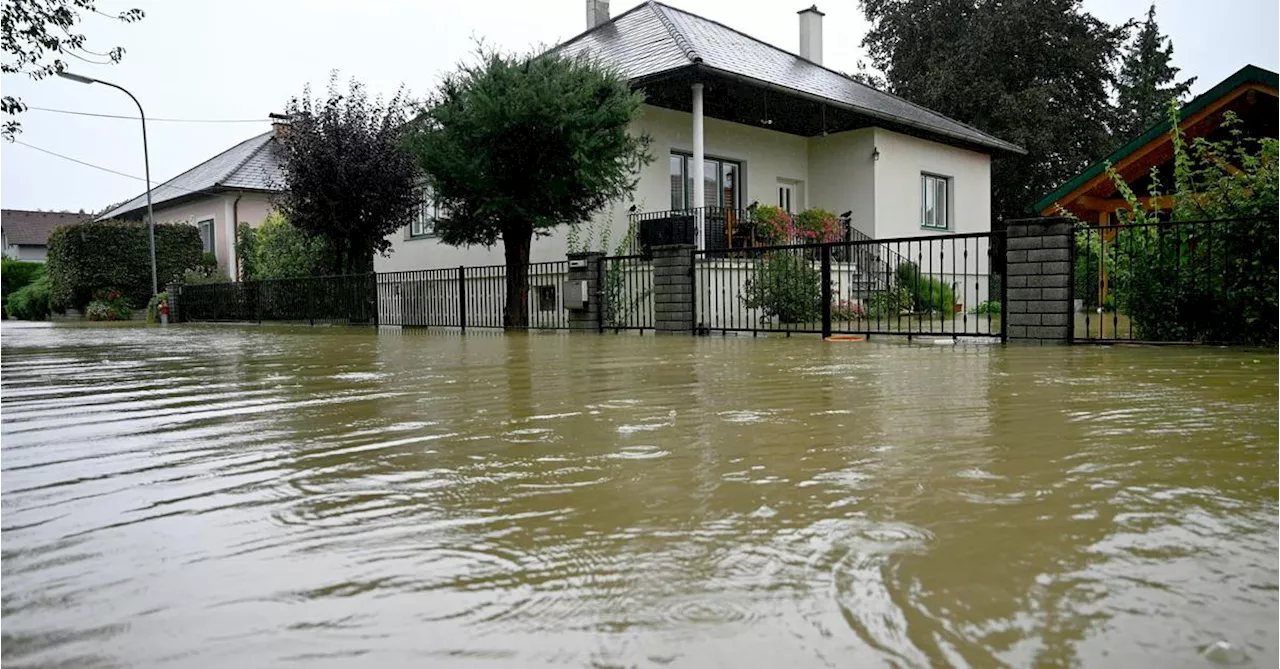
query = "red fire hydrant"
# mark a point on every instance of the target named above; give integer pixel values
(164, 312)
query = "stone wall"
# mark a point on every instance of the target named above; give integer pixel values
(586, 320)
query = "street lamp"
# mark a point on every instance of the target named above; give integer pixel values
(146, 162)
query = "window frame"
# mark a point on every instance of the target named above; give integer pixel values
(428, 211)
(927, 179)
(686, 158)
(213, 239)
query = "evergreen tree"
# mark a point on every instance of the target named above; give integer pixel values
(1032, 72)
(1147, 81)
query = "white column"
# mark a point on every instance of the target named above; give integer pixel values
(699, 184)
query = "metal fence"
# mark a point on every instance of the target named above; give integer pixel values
(715, 227)
(939, 285)
(626, 293)
(325, 299)
(1208, 281)
(470, 297)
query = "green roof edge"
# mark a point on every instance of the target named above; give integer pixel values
(1246, 74)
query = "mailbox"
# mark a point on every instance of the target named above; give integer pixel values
(575, 295)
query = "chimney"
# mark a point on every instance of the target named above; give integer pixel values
(811, 34)
(279, 125)
(597, 13)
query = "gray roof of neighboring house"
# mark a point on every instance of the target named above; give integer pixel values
(32, 228)
(249, 165)
(654, 38)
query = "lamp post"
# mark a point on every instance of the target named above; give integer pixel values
(146, 163)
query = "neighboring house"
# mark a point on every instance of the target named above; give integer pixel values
(1250, 93)
(233, 186)
(735, 120)
(26, 233)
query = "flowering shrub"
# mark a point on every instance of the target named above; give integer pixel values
(108, 305)
(848, 310)
(815, 226)
(773, 225)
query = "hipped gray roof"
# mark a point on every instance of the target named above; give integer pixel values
(249, 165)
(652, 39)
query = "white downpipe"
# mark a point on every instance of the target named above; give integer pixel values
(699, 158)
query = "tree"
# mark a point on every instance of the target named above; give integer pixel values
(514, 146)
(1032, 72)
(35, 33)
(346, 178)
(1147, 81)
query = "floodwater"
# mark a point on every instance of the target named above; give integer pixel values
(246, 497)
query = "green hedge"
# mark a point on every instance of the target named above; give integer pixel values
(16, 275)
(116, 254)
(31, 302)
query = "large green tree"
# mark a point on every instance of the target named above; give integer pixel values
(1147, 80)
(514, 146)
(38, 34)
(346, 178)
(1033, 72)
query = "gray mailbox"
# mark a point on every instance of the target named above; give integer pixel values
(575, 295)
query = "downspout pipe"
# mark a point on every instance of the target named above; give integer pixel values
(235, 233)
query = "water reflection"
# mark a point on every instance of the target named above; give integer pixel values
(330, 497)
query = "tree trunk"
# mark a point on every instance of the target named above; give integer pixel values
(515, 244)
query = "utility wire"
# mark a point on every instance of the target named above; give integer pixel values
(163, 120)
(99, 167)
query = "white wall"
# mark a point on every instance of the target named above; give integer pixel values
(28, 252)
(897, 185)
(842, 175)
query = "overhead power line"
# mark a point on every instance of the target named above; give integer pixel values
(99, 167)
(159, 120)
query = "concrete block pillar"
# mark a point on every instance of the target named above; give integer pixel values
(673, 289)
(586, 320)
(1038, 273)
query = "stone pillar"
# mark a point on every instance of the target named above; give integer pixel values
(174, 288)
(587, 320)
(1038, 276)
(673, 289)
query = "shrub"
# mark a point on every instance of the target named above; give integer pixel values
(246, 247)
(926, 294)
(786, 288)
(817, 226)
(153, 306)
(773, 225)
(31, 302)
(891, 302)
(108, 304)
(16, 275)
(89, 256)
(991, 307)
(197, 277)
(848, 310)
(282, 250)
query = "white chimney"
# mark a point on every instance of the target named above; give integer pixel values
(811, 34)
(597, 13)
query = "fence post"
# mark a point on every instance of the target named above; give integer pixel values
(591, 318)
(311, 302)
(462, 297)
(673, 281)
(174, 289)
(373, 287)
(1038, 278)
(600, 286)
(825, 252)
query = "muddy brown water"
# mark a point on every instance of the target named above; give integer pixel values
(225, 496)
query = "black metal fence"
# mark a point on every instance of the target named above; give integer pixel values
(470, 297)
(344, 299)
(1210, 281)
(626, 293)
(723, 228)
(939, 285)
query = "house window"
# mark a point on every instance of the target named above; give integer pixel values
(546, 298)
(424, 223)
(722, 182)
(786, 193)
(935, 202)
(206, 237)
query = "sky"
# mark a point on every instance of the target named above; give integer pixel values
(241, 60)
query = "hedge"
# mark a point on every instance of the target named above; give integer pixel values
(116, 254)
(17, 274)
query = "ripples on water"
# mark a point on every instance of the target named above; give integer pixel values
(211, 497)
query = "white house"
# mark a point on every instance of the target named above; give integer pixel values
(734, 121)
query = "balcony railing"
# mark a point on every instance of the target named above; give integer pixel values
(711, 229)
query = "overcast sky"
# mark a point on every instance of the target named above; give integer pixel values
(241, 59)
